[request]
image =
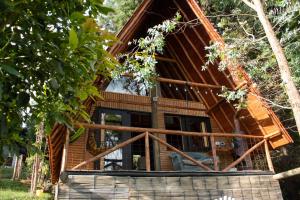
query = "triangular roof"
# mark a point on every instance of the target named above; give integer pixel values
(187, 49)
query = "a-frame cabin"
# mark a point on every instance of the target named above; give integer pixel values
(183, 140)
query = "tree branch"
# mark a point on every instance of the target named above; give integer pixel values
(248, 3)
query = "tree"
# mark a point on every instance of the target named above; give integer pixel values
(286, 76)
(123, 11)
(50, 55)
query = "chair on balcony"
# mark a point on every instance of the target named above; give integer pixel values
(180, 163)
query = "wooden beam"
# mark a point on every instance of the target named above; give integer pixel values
(194, 84)
(243, 156)
(121, 145)
(163, 131)
(160, 58)
(268, 156)
(147, 152)
(271, 135)
(287, 174)
(200, 164)
(215, 105)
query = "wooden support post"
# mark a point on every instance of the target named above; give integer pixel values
(243, 156)
(155, 94)
(214, 152)
(180, 152)
(147, 152)
(268, 156)
(64, 159)
(121, 145)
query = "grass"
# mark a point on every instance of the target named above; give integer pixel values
(14, 190)
(11, 190)
(6, 173)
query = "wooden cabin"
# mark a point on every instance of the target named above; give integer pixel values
(183, 140)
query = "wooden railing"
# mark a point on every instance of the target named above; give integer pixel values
(148, 133)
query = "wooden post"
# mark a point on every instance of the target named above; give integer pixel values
(268, 156)
(64, 159)
(155, 94)
(180, 152)
(214, 152)
(121, 145)
(147, 152)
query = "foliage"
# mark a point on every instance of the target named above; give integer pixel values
(247, 45)
(10, 190)
(246, 41)
(141, 62)
(123, 9)
(239, 96)
(50, 54)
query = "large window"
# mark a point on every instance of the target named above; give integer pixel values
(187, 123)
(129, 157)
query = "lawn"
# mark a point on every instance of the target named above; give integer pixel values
(11, 190)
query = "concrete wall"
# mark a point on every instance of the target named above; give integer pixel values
(250, 187)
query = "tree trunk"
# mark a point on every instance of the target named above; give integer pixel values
(285, 72)
(37, 160)
(16, 159)
(34, 176)
(19, 167)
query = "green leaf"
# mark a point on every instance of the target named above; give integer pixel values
(105, 10)
(77, 134)
(73, 39)
(11, 70)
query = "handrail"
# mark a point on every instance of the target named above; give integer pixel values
(147, 132)
(163, 131)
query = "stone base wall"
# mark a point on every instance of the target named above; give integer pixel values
(251, 187)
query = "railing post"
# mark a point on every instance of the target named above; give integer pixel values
(214, 152)
(268, 156)
(147, 152)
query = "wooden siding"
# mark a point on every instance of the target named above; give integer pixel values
(77, 151)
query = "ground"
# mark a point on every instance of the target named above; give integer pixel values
(14, 190)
